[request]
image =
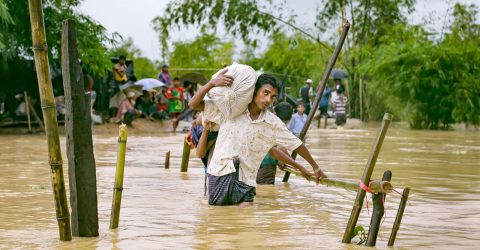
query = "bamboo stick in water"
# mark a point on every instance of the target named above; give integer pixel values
(367, 174)
(118, 188)
(375, 186)
(50, 116)
(398, 219)
(185, 156)
(321, 89)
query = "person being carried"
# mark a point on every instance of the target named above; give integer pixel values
(298, 120)
(244, 140)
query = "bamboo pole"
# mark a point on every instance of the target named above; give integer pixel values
(50, 116)
(367, 174)
(27, 108)
(360, 86)
(118, 187)
(378, 212)
(167, 159)
(398, 219)
(321, 89)
(375, 186)
(185, 156)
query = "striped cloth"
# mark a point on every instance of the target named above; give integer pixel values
(340, 102)
(227, 190)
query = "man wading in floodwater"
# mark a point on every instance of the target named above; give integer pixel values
(243, 142)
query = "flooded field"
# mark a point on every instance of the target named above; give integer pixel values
(166, 209)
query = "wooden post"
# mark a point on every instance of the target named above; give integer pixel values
(398, 219)
(185, 156)
(118, 188)
(27, 108)
(323, 84)
(50, 116)
(378, 212)
(367, 174)
(167, 159)
(35, 115)
(81, 161)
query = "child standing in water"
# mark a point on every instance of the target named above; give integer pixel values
(298, 120)
(340, 106)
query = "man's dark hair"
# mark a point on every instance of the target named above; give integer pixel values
(264, 79)
(340, 89)
(122, 57)
(176, 79)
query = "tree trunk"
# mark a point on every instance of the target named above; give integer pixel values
(81, 161)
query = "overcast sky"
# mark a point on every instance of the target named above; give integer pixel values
(134, 18)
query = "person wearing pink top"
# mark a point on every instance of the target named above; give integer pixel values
(126, 111)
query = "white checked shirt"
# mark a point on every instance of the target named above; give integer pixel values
(249, 140)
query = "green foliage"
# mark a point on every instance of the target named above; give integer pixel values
(144, 68)
(361, 233)
(297, 56)
(126, 48)
(429, 85)
(5, 19)
(92, 37)
(206, 51)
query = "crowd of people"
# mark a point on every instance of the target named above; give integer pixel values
(166, 102)
(335, 100)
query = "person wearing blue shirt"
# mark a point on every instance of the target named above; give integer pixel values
(298, 120)
(324, 106)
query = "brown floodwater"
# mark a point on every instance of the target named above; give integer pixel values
(166, 209)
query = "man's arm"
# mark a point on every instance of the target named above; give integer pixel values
(221, 80)
(287, 159)
(303, 152)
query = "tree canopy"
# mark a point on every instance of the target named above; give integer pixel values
(16, 32)
(405, 69)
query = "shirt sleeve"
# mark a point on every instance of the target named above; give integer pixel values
(287, 139)
(212, 113)
(292, 124)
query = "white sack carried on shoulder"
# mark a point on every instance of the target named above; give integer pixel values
(233, 100)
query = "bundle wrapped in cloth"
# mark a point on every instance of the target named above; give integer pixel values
(233, 100)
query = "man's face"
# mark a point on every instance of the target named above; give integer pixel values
(121, 61)
(165, 69)
(176, 83)
(265, 96)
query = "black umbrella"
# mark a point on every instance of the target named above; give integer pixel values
(338, 74)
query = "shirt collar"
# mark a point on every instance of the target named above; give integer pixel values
(265, 116)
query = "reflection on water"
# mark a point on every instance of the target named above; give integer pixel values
(166, 209)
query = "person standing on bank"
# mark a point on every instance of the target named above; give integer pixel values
(306, 92)
(244, 140)
(165, 77)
